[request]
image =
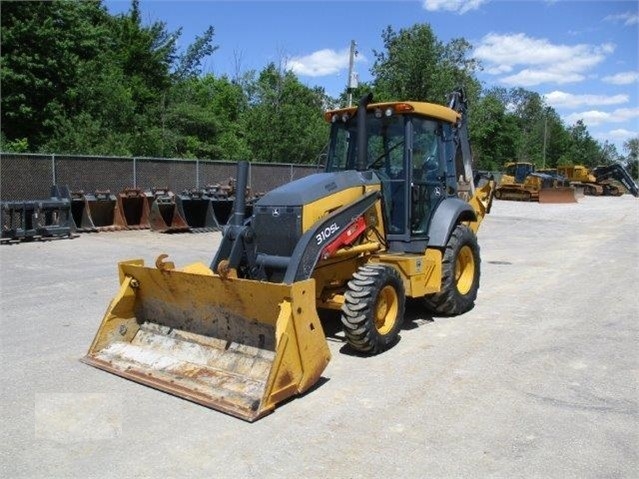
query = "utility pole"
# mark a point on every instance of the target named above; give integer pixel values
(545, 129)
(352, 76)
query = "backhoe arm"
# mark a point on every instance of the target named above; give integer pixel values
(619, 173)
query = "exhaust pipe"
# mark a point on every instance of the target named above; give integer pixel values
(239, 205)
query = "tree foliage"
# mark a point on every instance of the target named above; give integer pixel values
(76, 79)
(415, 65)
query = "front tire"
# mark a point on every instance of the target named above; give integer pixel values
(460, 275)
(373, 310)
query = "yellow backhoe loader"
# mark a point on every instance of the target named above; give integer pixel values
(384, 222)
(520, 182)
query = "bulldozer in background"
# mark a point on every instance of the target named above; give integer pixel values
(520, 182)
(384, 222)
(599, 181)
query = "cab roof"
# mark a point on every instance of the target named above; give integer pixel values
(432, 110)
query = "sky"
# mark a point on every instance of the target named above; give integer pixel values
(580, 55)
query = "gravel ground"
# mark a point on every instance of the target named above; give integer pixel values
(540, 379)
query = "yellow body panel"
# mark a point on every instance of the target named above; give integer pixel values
(316, 210)
(576, 173)
(421, 274)
(236, 345)
(432, 110)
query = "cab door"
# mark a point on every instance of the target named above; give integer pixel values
(428, 168)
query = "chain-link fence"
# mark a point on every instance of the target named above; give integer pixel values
(30, 176)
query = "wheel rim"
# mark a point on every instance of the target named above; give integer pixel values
(386, 310)
(465, 270)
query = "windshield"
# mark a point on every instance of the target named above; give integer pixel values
(519, 170)
(385, 144)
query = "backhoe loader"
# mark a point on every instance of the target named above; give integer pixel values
(520, 182)
(383, 222)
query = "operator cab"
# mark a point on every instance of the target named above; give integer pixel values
(519, 171)
(408, 152)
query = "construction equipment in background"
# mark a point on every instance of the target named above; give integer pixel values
(600, 181)
(36, 219)
(164, 215)
(158, 209)
(222, 198)
(104, 211)
(134, 208)
(80, 211)
(18, 220)
(384, 222)
(520, 182)
(562, 181)
(196, 207)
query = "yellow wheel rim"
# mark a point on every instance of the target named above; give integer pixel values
(386, 311)
(465, 270)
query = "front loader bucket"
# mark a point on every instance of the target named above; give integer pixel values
(559, 194)
(235, 345)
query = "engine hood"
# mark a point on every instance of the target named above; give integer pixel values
(316, 186)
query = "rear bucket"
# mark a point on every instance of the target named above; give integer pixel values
(560, 194)
(196, 209)
(222, 207)
(80, 212)
(234, 345)
(134, 207)
(104, 211)
(164, 215)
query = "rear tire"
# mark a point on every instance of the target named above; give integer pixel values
(373, 310)
(460, 275)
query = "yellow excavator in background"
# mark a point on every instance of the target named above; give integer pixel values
(520, 182)
(384, 222)
(599, 181)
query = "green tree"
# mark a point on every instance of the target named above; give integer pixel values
(415, 65)
(631, 146)
(205, 119)
(609, 153)
(555, 138)
(44, 45)
(78, 80)
(190, 62)
(285, 122)
(584, 149)
(494, 133)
